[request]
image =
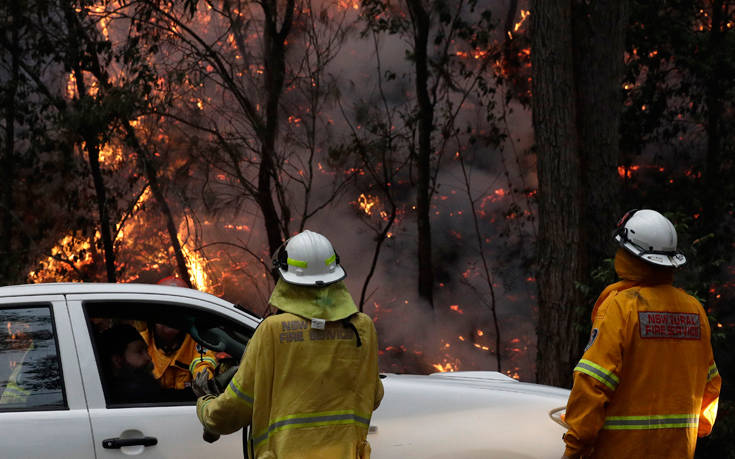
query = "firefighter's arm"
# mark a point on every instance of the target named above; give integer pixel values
(233, 408)
(203, 362)
(585, 414)
(710, 401)
(595, 380)
(711, 395)
(379, 392)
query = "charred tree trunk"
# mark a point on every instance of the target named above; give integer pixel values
(421, 24)
(576, 118)
(149, 169)
(93, 153)
(90, 133)
(275, 69)
(91, 145)
(599, 42)
(559, 189)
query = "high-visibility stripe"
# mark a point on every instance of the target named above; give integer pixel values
(712, 372)
(297, 263)
(12, 387)
(656, 421)
(199, 360)
(606, 377)
(297, 421)
(330, 260)
(14, 394)
(201, 406)
(239, 393)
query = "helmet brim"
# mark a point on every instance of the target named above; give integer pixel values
(659, 259)
(320, 280)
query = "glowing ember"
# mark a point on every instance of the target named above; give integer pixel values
(524, 15)
(444, 368)
(366, 203)
(514, 374)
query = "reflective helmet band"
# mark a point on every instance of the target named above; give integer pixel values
(297, 263)
(330, 260)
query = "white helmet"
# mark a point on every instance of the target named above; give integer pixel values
(308, 259)
(650, 236)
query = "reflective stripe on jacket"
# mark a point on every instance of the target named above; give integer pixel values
(175, 371)
(647, 385)
(305, 392)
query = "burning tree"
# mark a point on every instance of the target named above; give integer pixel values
(245, 66)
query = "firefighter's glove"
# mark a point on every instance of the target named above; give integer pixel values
(210, 437)
(222, 380)
(202, 385)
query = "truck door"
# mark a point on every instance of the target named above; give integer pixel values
(145, 428)
(42, 409)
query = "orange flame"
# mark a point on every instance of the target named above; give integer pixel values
(444, 368)
(524, 15)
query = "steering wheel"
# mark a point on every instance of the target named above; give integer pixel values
(209, 338)
(217, 340)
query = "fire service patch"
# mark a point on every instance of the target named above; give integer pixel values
(676, 325)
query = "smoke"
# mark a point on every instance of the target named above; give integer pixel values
(223, 231)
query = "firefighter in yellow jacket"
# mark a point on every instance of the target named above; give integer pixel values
(308, 382)
(176, 357)
(647, 384)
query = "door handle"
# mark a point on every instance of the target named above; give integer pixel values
(117, 442)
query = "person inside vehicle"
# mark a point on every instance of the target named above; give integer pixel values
(129, 369)
(308, 381)
(647, 384)
(19, 343)
(177, 358)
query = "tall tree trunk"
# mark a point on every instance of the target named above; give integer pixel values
(275, 69)
(90, 134)
(559, 192)
(599, 42)
(146, 164)
(576, 118)
(93, 152)
(421, 24)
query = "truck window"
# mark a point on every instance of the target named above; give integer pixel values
(30, 371)
(147, 353)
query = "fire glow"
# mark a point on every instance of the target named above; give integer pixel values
(142, 246)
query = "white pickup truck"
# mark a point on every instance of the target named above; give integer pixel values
(53, 396)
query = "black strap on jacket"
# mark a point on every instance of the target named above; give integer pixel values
(348, 324)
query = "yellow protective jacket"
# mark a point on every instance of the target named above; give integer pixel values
(175, 371)
(15, 393)
(647, 384)
(305, 392)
